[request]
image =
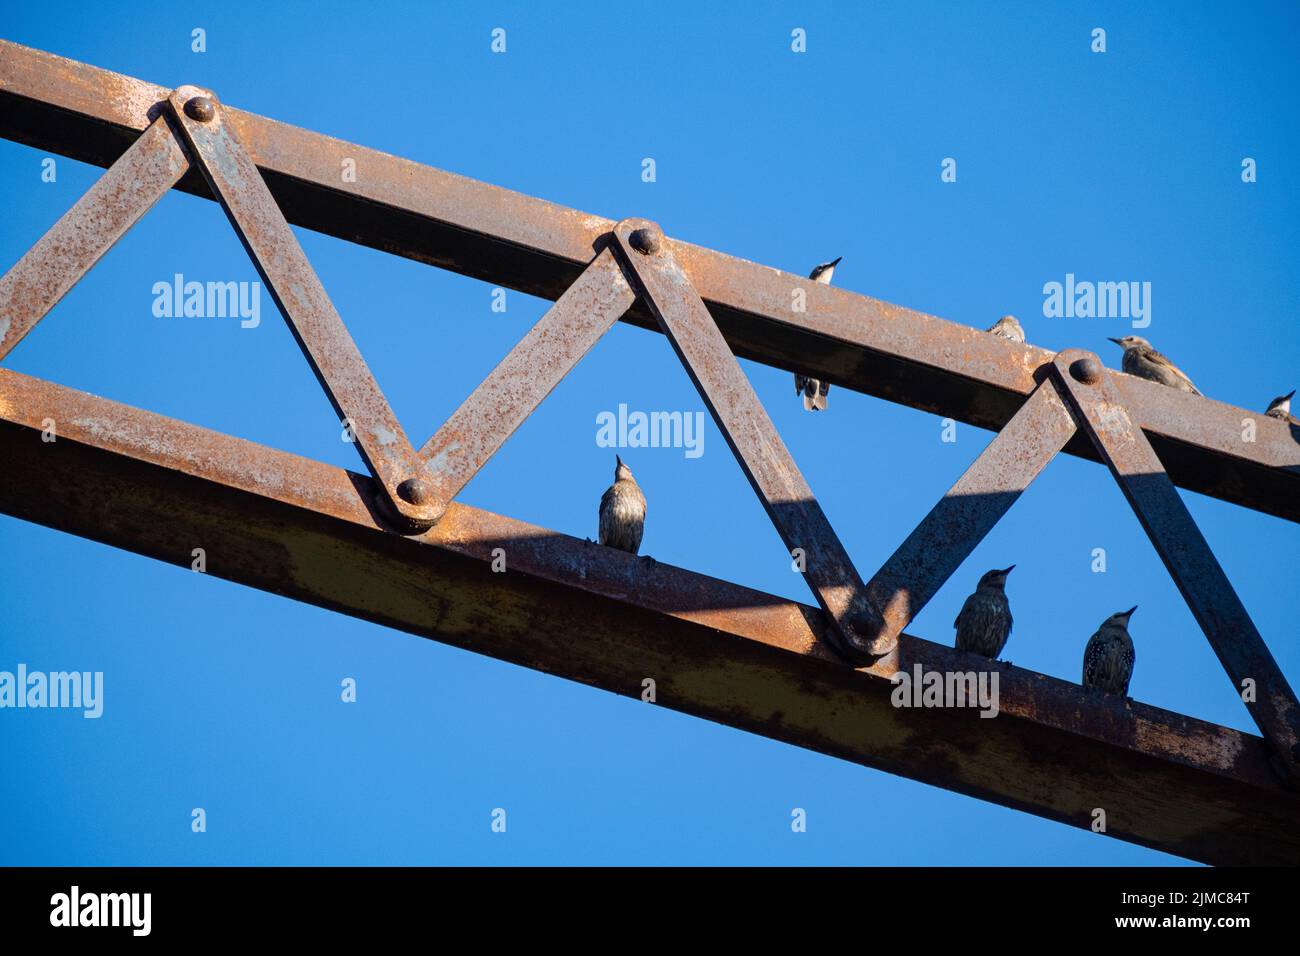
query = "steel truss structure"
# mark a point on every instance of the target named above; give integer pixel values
(417, 560)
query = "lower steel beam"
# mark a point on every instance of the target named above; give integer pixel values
(312, 532)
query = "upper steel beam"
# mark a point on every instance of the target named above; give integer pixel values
(760, 663)
(540, 248)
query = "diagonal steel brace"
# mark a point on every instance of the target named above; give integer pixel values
(1099, 407)
(514, 389)
(293, 284)
(141, 176)
(959, 522)
(655, 272)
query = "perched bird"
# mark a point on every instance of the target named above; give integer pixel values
(1108, 658)
(1280, 407)
(1008, 328)
(814, 391)
(1142, 360)
(622, 511)
(984, 622)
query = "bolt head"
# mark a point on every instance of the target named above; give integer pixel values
(416, 491)
(645, 240)
(201, 109)
(1086, 370)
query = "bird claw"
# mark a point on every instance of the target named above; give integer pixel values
(650, 560)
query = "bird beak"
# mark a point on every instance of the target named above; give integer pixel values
(1287, 397)
(1008, 570)
(1129, 613)
(618, 461)
(835, 262)
(1116, 341)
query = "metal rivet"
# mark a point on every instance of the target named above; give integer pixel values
(645, 240)
(417, 491)
(1086, 370)
(200, 109)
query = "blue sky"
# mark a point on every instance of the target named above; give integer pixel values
(1116, 166)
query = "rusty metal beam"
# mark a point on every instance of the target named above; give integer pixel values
(654, 271)
(72, 246)
(1186, 554)
(519, 383)
(306, 307)
(309, 531)
(540, 248)
(958, 523)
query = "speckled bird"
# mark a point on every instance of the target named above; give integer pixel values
(1280, 407)
(1008, 328)
(984, 622)
(622, 511)
(814, 391)
(1108, 658)
(1142, 360)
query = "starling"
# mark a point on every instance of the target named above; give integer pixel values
(1008, 328)
(1280, 407)
(622, 511)
(1108, 658)
(1142, 360)
(984, 623)
(814, 391)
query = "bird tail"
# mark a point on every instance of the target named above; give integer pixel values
(819, 400)
(809, 402)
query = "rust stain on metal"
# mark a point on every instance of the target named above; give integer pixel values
(532, 369)
(72, 246)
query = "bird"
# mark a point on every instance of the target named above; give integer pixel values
(1108, 658)
(814, 391)
(1280, 407)
(1008, 328)
(622, 511)
(984, 622)
(1142, 360)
